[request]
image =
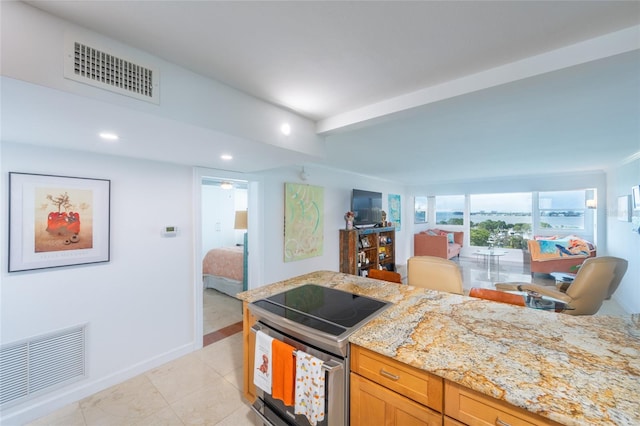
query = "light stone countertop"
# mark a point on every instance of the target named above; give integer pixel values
(575, 370)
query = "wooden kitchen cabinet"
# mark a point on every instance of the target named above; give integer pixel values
(473, 408)
(248, 352)
(385, 391)
(373, 404)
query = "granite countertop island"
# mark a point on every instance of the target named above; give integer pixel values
(575, 370)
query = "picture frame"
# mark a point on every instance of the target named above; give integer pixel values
(57, 221)
(624, 208)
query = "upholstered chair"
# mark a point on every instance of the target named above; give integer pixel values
(434, 273)
(591, 286)
(383, 274)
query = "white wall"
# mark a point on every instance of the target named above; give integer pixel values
(139, 307)
(218, 216)
(621, 241)
(337, 201)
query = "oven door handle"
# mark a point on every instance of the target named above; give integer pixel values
(328, 366)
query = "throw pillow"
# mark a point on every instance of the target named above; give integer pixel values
(450, 238)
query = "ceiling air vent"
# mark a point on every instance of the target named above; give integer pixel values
(98, 68)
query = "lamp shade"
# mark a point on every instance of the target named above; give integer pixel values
(241, 220)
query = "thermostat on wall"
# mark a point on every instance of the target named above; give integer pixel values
(169, 231)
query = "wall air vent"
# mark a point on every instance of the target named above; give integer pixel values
(98, 68)
(41, 364)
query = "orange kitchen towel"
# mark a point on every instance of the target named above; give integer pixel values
(284, 372)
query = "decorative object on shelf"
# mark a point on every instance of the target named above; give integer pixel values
(348, 217)
(303, 221)
(57, 221)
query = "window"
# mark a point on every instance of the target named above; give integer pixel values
(450, 209)
(501, 220)
(562, 210)
(420, 211)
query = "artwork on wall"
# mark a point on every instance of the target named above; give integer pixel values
(57, 221)
(624, 208)
(395, 210)
(303, 221)
(420, 210)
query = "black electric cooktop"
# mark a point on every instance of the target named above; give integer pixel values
(322, 308)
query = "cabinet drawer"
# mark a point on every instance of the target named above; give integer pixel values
(408, 381)
(476, 409)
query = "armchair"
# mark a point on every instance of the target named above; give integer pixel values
(591, 286)
(434, 273)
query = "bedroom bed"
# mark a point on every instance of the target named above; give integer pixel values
(223, 270)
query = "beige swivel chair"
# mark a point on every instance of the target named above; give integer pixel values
(434, 273)
(383, 274)
(591, 286)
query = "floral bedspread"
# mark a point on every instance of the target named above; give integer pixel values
(224, 262)
(553, 249)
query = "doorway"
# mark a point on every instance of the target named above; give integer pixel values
(224, 203)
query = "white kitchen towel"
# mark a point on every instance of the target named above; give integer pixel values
(309, 387)
(262, 363)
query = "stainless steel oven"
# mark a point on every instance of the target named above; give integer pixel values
(274, 412)
(316, 320)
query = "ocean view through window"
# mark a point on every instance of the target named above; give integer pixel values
(508, 220)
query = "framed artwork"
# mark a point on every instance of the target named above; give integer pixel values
(420, 210)
(624, 210)
(395, 212)
(303, 221)
(57, 221)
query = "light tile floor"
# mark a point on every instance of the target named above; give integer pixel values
(205, 387)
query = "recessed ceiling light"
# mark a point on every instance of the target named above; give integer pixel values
(109, 136)
(285, 129)
(226, 157)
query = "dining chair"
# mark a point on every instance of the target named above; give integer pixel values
(434, 273)
(497, 296)
(593, 283)
(383, 274)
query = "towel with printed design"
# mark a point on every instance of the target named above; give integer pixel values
(309, 397)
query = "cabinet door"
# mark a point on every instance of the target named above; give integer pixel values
(248, 352)
(372, 404)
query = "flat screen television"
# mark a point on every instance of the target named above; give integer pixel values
(366, 207)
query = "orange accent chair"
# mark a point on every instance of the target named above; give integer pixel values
(497, 296)
(383, 274)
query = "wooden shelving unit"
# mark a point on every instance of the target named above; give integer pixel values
(363, 249)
